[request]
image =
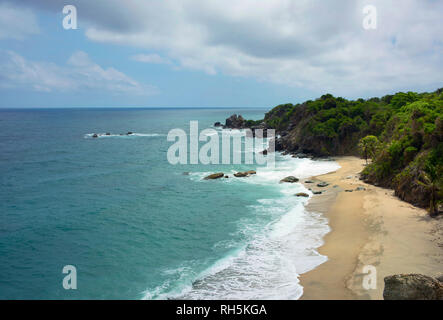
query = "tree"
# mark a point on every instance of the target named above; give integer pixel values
(368, 147)
(431, 181)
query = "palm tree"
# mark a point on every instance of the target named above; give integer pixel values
(368, 147)
(431, 181)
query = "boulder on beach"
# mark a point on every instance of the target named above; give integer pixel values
(412, 287)
(317, 192)
(302, 194)
(309, 181)
(322, 184)
(349, 190)
(215, 176)
(289, 179)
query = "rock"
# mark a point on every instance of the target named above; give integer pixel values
(317, 192)
(217, 124)
(440, 278)
(108, 134)
(240, 174)
(302, 194)
(235, 122)
(322, 184)
(185, 173)
(309, 181)
(412, 287)
(264, 152)
(360, 189)
(129, 133)
(215, 176)
(336, 186)
(95, 135)
(349, 190)
(226, 177)
(289, 179)
(244, 174)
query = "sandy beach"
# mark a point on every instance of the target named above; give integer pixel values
(368, 227)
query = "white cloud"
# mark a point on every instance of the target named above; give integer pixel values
(313, 44)
(80, 73)
(151, 58)
(17, 23)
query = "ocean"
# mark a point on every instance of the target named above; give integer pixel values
(135, 226)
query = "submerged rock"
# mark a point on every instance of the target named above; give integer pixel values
(108, 134)
(215, 176)
(289, 179)
(129, 133)
(412, 287)
(95, 135)
(322, 184)
(302, 194)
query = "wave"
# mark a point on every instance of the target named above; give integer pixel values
(267, 264)
(135, 134)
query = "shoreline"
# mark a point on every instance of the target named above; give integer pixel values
(368, 227)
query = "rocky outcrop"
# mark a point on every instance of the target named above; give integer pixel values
(412, 287)
(235, 122)
(289, 179)
(217, 124)
(215, 176)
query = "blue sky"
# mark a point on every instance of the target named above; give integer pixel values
(214, 54)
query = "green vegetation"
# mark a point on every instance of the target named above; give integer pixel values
(401, 133)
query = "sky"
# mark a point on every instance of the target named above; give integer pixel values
(217, 53)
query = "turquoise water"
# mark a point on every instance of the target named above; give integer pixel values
(134, 225)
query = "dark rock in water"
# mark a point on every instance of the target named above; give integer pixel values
(317, 192)
(322, 184)
(235, 122)
(264, 152)
(129, 132)
(186, 173)
(301, 155)
(309, 181)
(240, 174)
(244, 174)
(226, 177)
(412, 287)
(302, 194)
(215, 176)
(217, 124)
(108, 134)
(95, 135)
(289, 179)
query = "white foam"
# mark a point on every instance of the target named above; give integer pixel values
(104, 135)
(268, 265)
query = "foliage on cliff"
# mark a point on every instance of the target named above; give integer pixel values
(405, 139)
